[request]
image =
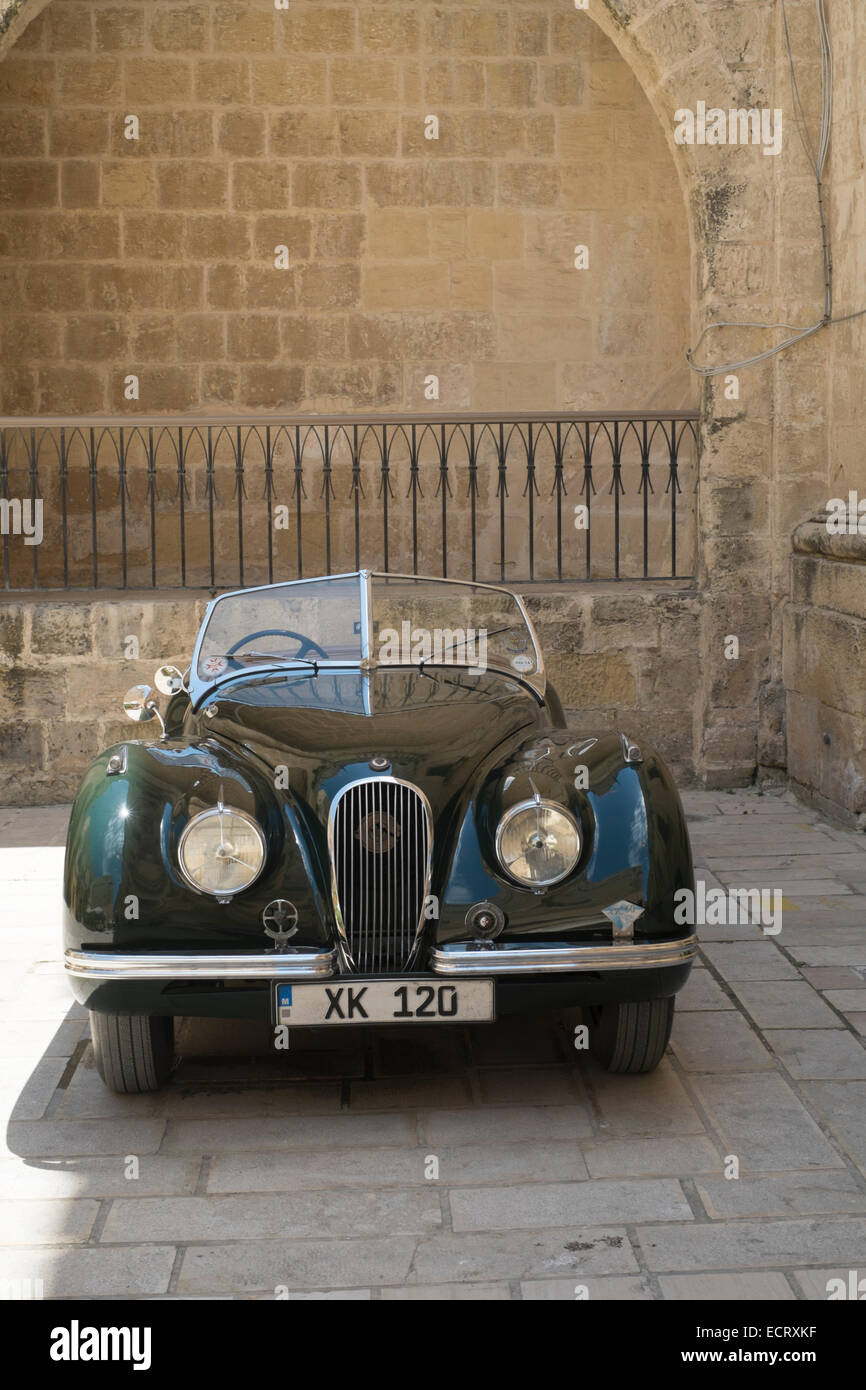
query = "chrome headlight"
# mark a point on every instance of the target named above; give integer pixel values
(221, 851)
(538, 842)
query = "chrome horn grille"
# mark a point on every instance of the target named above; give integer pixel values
(380, 838)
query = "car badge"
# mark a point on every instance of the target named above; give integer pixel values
(214, 666)
(378, 832)
(281, 921)
(623, 916)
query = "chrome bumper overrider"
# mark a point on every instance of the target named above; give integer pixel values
(548, 960)
(102, 965)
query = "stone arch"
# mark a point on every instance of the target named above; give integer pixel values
(676, 57)
(681, 51)
(15, 15)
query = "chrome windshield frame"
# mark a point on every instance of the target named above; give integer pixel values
(199, 689)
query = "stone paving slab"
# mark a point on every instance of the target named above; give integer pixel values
(425, 1293)
(506, 1123)
(842, 1106)
(719, 1042)
(750, 961)
(593, 1290)
(47, 1223)
(714, 1288)
(580, 1252)
(782, 1194)
(784, 1004)
(734, 1245)
(702, 992)
(813, 1054)
(764, 1123)
(814, 1282)
(485, 1164)
(264, 1266)
(99, 1177)
(657, 1104)
(90, 1272)
(49, 1138)
(544, 1160)
(267, 1216)
(534, 1205)
(614, 1158)
(295, 1132)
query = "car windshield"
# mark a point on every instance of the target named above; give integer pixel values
(449, 624)
(308, 621)
(390, 619)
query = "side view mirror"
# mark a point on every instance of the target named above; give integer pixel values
(168, 680)
(139, 704)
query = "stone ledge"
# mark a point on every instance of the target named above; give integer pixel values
(811, 537)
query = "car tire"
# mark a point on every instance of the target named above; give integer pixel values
(631, 1038)
(134, 1052)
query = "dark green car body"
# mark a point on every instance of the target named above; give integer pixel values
(280, 745)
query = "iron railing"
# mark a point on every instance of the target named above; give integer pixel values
(223, 503)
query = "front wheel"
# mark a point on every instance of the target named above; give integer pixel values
(134, 1052)
(631, 1037)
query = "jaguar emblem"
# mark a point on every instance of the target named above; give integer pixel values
(378, 832)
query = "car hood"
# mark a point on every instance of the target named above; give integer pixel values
(424, 723)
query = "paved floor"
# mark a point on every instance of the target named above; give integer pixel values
(314, 1173)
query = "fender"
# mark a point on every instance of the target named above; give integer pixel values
(633, 829)
(122, 885)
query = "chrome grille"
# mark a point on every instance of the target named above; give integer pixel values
(380, 841)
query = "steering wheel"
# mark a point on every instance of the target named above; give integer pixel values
(306, 644)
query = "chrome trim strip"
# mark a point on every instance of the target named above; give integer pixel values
(458, 960)
(366, 615)
(104, 965)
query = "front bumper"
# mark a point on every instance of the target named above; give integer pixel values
(562, 960)
(105, 965)
(462, 959)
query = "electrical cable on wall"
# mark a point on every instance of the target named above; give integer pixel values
(817, 160)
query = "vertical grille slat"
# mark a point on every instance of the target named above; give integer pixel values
(380, 854)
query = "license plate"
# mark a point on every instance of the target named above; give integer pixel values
(384, 1001)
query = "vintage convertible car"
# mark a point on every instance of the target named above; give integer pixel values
(366, 807)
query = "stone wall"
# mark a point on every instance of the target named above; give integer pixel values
(846, 458)
(825, 615)
(406, 256)
(616, 654)
(772, 453)
(825, 669)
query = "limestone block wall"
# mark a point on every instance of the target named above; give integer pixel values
(825, 615)
(846, 459)
(424, 219)
(617, 655)
(825, 669)
(406, 256)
